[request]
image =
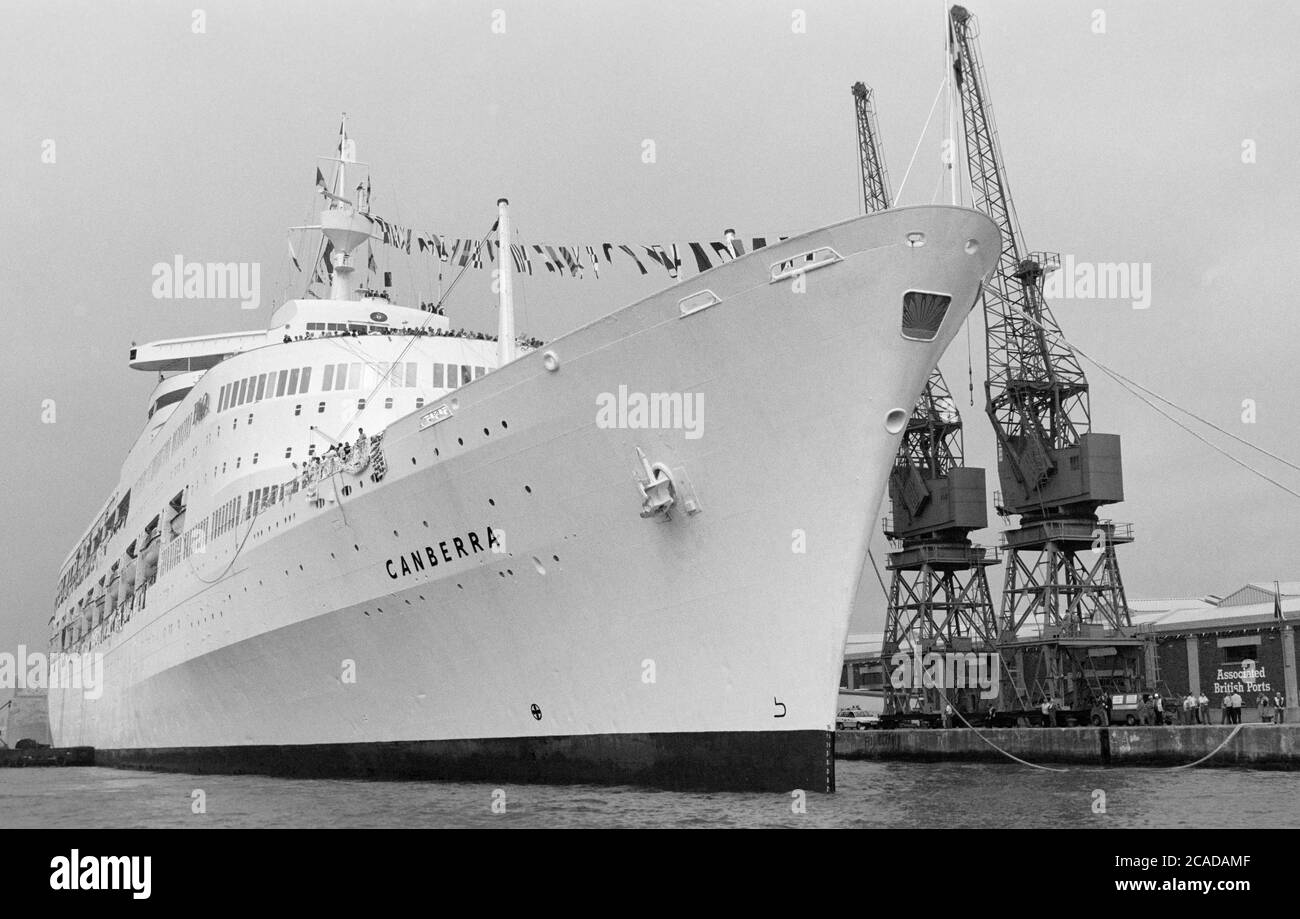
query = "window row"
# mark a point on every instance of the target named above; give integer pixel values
(264, 386)
(336, 377)
(358, 376)
(449, 376)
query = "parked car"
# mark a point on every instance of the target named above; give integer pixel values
(855, 719)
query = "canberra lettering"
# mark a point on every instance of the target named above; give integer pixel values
(428, 556)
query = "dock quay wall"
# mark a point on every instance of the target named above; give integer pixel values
(1266, 746)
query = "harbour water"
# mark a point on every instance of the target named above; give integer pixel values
(871, 795)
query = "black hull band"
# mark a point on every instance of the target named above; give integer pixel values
(718, 761)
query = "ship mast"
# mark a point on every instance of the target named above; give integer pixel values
(341, 223)
(506, 312)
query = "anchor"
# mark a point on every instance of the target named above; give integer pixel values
(660, 490)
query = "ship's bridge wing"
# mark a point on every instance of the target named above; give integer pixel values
(200, 353)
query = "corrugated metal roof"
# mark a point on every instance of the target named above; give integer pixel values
(1256, 592)
(1240, 616)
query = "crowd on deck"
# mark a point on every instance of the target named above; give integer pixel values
(523, 341)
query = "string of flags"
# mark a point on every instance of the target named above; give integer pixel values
(571, 261)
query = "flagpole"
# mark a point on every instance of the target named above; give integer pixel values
(505, 277)
(1291, 712)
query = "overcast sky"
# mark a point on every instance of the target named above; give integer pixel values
(1123, 146)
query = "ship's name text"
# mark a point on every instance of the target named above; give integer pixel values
(429, 556)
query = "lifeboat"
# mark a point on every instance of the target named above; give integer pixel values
(149, 556)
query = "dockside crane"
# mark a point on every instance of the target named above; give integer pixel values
(1064, 621)
(939, 598)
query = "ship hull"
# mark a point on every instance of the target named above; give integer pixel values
(497, 608)
(705, 761)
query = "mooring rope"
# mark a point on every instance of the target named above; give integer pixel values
(1212, 752)
(956, 711)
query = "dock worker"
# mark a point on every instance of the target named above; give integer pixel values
(1265, 703)
(1279, 704)
(1047, 712)
(1203, 708)
(1226, 717)
(947, 715)
(1236, 707)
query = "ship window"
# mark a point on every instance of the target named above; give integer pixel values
(327, 379)
(361, 404)
(464, 373)
(412, 373)
(923, 313)
(169, 398)
(311, 450)
(437, 376)
(234, 423)
(238, 460)
(320, 409)
(288, 452)
(221, 400)
(335, 327)
(354, 377)
(250, 419)
(261, 387)
(297, 410)
(305, 383)
(478, 372)
(388, 403)
(293, 381)
(419, 401)
(243, 389)
(315, 326)
(254, 459)
(279, 389)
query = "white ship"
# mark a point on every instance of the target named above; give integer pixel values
(488, 580)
